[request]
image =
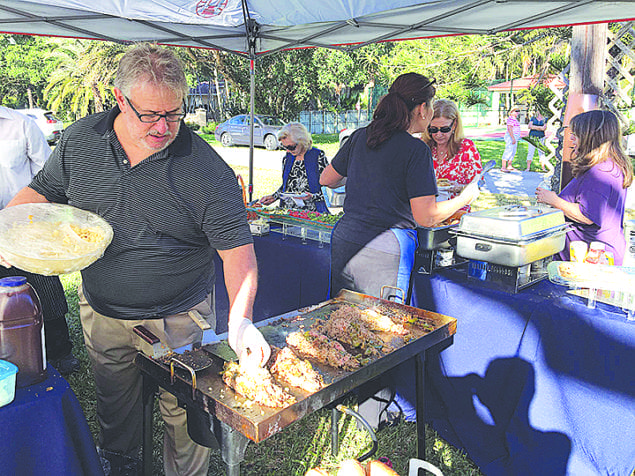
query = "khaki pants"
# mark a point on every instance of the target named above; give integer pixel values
(112, 346)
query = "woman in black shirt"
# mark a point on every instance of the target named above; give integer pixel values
(390, 189)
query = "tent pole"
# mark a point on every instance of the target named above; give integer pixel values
(252, 92)
(252, 30)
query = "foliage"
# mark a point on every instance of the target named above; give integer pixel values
(18, 77)
(76, 75)
(210, 127)
(195, 126)
(81, 82)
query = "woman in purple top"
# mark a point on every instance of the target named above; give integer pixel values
(594, 200)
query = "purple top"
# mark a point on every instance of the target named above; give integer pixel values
(601, 196)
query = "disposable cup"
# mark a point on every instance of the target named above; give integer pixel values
(578, 251)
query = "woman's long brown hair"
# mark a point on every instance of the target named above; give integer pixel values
(393, 112)
(599, 139)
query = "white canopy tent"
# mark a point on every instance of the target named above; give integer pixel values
(252, 28)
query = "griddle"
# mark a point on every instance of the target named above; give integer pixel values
(257, 422)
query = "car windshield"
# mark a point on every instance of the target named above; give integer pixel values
(271, 121)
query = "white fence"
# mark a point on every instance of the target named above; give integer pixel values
(327, 122)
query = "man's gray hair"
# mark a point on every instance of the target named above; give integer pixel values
(298, 134)
(147, 62)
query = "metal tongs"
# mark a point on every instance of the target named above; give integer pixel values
(488, 166)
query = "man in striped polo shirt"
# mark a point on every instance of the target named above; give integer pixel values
(172, 203)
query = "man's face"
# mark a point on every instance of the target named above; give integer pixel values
(147, 99)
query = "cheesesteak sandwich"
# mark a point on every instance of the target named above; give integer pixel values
(256, 384)
(289, 368)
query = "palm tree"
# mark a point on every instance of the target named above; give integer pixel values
(83, 76)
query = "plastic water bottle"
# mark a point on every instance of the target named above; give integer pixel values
(21, 330)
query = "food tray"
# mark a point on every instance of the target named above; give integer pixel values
(278, 217)
(509, 252)
(592, 276)
(512, 222)
(43, 238)
(431, 238)
(304, 232)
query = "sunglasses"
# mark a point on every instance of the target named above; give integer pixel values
(444, 129)
(291, 147)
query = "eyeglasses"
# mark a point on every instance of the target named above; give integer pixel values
(156, 117)
(290, 148)
(444, 129)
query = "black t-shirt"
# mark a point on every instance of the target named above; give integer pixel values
(381, 182)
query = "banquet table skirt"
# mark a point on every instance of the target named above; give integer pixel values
(534, 383)
(44, 432)
(291, 275)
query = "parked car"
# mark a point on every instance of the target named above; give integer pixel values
(235, 131)
(346, 133)
(50, 125)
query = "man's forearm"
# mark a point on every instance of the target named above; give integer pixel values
(241, 279)
(27, 195)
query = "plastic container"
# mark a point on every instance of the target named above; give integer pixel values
(578, 251)
(52, 239)
(21, 330)
(596, 252)
(8, 373)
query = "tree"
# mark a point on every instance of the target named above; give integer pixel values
(23, 71)
(83, 76)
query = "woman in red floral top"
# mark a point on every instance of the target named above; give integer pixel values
(456, 159)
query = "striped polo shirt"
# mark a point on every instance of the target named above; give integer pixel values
(169, 214)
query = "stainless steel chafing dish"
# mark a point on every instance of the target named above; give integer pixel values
(511, 235)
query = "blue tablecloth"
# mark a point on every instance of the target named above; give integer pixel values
(534, 382)
(291, 275)
(44, 432)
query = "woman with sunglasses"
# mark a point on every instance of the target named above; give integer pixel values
(594, 201)
(455, 158)
(301, 169)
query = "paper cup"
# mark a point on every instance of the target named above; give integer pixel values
(578, 251)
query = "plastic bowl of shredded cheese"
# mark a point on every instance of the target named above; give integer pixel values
(52, 239)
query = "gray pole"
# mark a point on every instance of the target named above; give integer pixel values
(252, 93)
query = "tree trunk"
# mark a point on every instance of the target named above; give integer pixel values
(99, 103)
(29, 95)
(586, 82)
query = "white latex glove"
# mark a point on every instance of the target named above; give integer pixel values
(471, 191)
(248, 342)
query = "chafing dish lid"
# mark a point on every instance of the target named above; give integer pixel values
(514, 222)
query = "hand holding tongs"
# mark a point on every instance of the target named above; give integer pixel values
(488, 166)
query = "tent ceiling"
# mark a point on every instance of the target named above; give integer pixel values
(285, 24)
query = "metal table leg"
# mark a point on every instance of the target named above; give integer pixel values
(233, 446)
(420, 405)
(148, 392)
(335, 416)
